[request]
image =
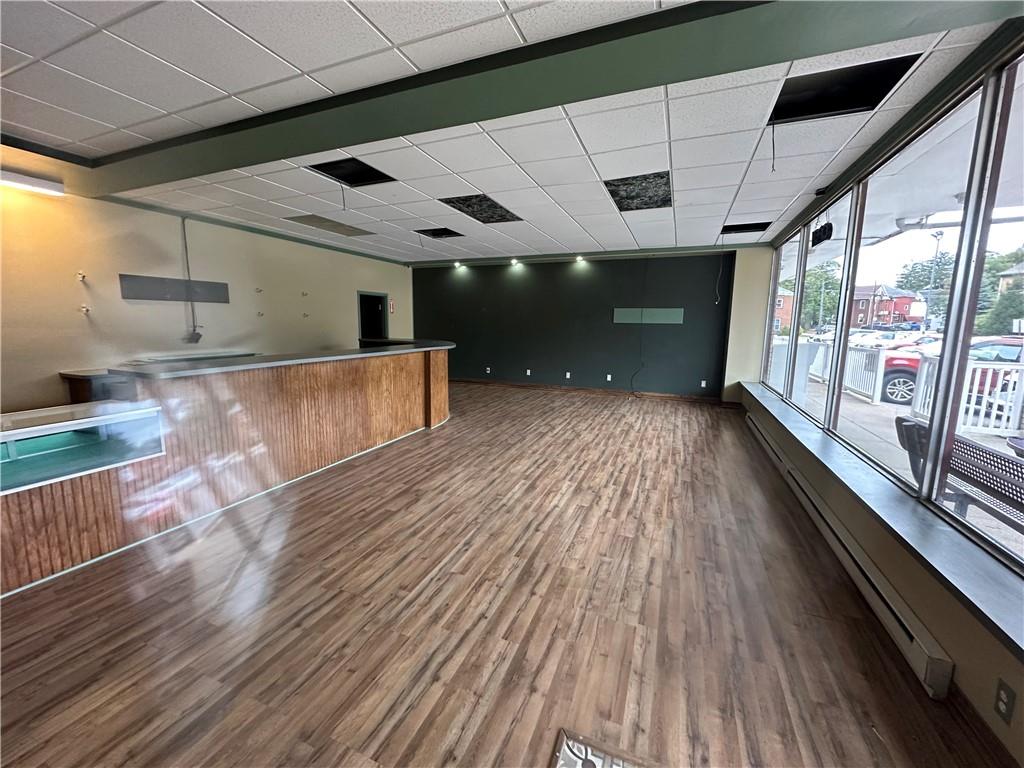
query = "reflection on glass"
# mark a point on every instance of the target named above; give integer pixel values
(907, 253)
(819, 308)
(782, 314)
(984, 481)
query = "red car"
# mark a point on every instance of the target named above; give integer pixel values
(901, 364)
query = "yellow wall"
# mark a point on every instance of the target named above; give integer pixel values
(751, 282)
(47, 240)
(980, 658)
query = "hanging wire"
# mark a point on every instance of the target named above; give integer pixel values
(773, 147)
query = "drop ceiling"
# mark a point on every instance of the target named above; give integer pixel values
(89, 63)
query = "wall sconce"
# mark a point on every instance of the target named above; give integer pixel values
(31, 183)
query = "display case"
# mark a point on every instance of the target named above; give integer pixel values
(51, 444)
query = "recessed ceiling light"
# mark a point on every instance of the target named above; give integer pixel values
(458, 264)
(579, 258)
(515, 262)
(31, 183)
(351, 172)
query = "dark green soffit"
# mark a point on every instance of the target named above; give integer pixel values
(694, 41)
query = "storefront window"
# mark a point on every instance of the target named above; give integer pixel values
(782, 319)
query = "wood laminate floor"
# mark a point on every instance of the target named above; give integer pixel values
(631, 569)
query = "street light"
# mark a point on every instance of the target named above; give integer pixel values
(937, 235)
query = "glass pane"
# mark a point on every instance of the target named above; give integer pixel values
(782, 314)
(907, 251)
(985, 479)
(819, 308)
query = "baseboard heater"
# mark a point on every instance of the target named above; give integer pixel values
(922, 651)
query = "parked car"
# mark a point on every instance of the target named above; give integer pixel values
(901, 365)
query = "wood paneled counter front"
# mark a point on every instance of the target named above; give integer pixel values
(233, 428)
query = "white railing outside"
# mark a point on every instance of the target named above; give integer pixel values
(864, 372)
(993, 397)
(821, 360)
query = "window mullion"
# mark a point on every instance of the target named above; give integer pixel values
(770, 316)
(798, 299)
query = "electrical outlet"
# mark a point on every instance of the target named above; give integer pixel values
(1006, 697)
(527, 371)
(487, 369)
(568, 375)
(703, 383)
(608, 377)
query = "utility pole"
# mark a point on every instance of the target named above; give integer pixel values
(937, 235)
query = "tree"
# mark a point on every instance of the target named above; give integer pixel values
(994, 264)
(998, 321)
(919, 275)
(820, 304)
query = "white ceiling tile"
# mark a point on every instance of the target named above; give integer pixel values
(539, 210)
(928, 74)
(448, 185)
(524, 118)
(876, 127)
(690, 232)
(10, 58)
(708, 114)
(617, 101)
(259, 187)
(441, 134)
(190, 37)
(387, 212)
(517, 200)
(391, 192)
(307, 34)
(463, 44)
(39, 137)
(467, 153)
(602, 221)
(566, 193)
(965, 35)
(219, 112)
(498, 179)
(404, 164)
(771, 73)
(117, 141)
(568, 170)
(764, 189)
(524, 232)
(216, 178)
(362, 73)
(849, 58)
(287, 93)
(714, 150)
(163, 127)
(739, 238)
(355, 218)
(309, 204)
(708, 176)
(316, 158)
(38, 28)
(268, 208)
(632, 162)
(68, 91)
(654, 234)
(622, 128)
(648, 215)
(405, 20)
(541, 141)
(426, 208)
(762, 205)
(589, 207)
(28, 112)
(704, 196)
(114, 63)
(186, 201)
(809, 136)
(225, 195)
(372, 147)
(843, 160)
(702, 211)
(301, 180)
(562, 18)
(758, 217)
(261, 168)
(411, 225)
(792, 167)
(101, 11)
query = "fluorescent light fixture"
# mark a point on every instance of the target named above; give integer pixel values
(458, 264)
(515, 262)
(31, 183)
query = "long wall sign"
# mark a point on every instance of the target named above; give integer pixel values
(172, 289)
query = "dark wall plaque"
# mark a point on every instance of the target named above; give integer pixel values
(172, 289)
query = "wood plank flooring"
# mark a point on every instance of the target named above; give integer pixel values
(630, 569)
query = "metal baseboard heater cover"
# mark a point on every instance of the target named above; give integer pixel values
(922, 651)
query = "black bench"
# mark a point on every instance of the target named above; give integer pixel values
(978, 475)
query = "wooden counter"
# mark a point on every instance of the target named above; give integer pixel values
(229, 435)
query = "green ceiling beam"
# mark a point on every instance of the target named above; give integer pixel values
(703, 40)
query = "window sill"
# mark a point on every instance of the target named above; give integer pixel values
(991, 590)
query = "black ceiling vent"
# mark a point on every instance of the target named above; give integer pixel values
(844, 91)
(638, 193)
(439, 233)
(351, 172)
(737, 229)
(481, 208)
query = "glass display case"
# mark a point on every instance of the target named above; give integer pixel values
(50, 444)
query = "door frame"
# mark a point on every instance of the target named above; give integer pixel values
(359, 312)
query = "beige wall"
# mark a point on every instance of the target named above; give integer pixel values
(47, 240)
(751, 281)
(980, 658)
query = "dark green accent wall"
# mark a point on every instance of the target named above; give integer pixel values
(555, 317)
